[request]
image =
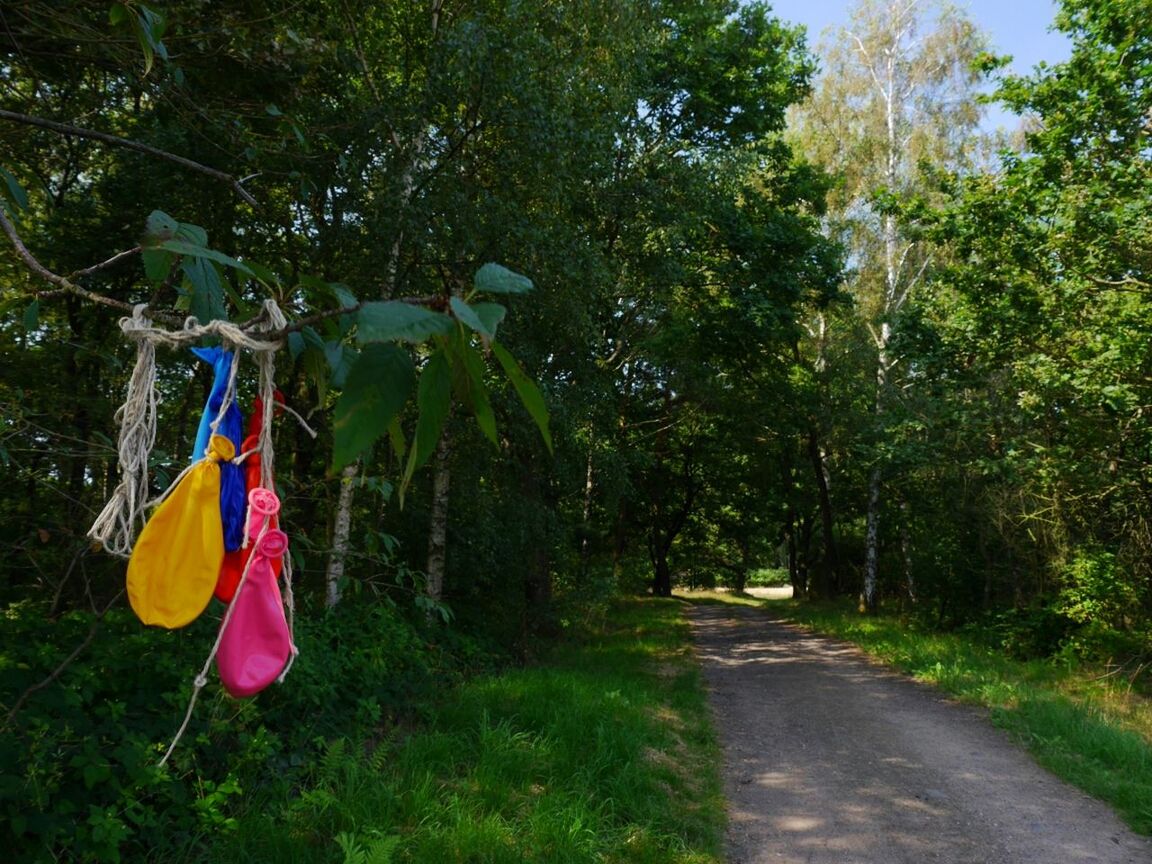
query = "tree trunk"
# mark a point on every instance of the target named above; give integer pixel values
(744, 567)
(586, 520)
(537, 493)
(799, 586)
(871, 544)
(662, 574)
(906, 553)
(804, 556)
(831, 557)
(619, 541)
(438, 520)
(341, 529)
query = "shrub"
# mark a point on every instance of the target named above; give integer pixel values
(79, 778)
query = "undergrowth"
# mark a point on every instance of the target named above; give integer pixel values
(600, 753)
(1087, 724)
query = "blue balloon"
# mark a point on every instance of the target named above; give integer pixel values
(233, 501)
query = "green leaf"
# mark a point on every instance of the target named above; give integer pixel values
(32, 316)
(194, 234)
(295, 345)
(433, 399)
(377, 387)
(491, 314)
(313, 339)
(395, 321)
(340, 358)
(262, 274)
(467, 315)
(160, 226)
(202, 281)
(117, 14)
(157, 264)
(475, 395)
(149, 26)
(243, 310)
(182, 247)
(396, 438)
(345, 299)
(527, 390)
(494, 279)
(16, 193)
(316, 369)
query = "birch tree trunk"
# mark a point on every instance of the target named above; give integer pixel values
(586, 521)
(342, 526)
(341, 530)
(831, 563)
(438, 520)
(899, 86)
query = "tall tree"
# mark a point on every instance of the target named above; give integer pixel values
(1040, 328)
(898, 88)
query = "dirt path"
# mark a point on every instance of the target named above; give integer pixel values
(832, 760)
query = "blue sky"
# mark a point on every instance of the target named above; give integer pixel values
(1016, 27)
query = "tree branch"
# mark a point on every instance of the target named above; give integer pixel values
(1119, 283)
(65, 284)
(66, 129)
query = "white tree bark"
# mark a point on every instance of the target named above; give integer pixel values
(438, 521)
(342, 526)
(341, 530)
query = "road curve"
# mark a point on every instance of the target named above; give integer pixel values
(830, 759)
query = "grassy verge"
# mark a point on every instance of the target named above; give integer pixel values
(1087, 726)
(602, 753)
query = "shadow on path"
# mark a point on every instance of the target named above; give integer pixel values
(833, 760)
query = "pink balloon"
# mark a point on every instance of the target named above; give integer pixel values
(256, 643)
(262, 504)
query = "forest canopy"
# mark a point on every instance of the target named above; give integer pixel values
(581, 298)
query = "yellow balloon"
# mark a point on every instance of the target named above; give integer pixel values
(173, 569)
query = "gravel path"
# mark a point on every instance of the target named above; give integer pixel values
(830, 759)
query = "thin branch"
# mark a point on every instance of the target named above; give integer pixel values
(1119, 283)
(65, 284)
(66, 129)
(434, 301)
(111, 262)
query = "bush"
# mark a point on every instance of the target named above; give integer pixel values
(79, 778)
(1027, 634)
(769, 577)
(1104, 600)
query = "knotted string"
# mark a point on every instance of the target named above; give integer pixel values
(116, 527)
(273, 320)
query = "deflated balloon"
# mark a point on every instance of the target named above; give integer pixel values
(175, 564)
(234, 562)
(231, 426)
(256, 644)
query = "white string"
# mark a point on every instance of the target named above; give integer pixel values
(267, 365)
(115, 527)
(199, 682)
(290, 606)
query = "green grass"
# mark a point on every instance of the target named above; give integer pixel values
(601, 753)
(1085, 725)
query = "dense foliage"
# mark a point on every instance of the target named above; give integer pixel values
(568, 256)
(366, 163)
